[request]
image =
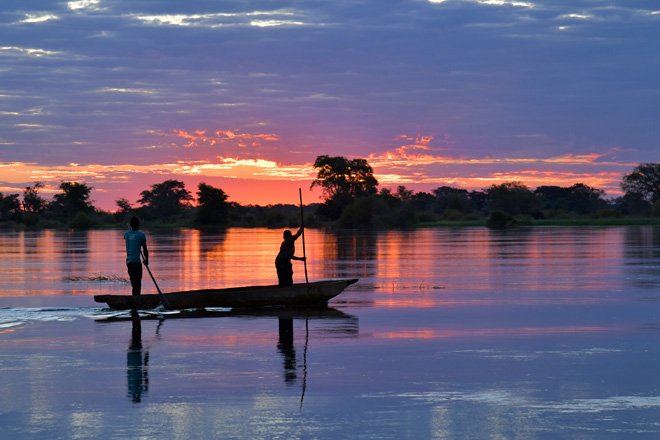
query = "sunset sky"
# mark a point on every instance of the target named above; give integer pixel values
(244, 95)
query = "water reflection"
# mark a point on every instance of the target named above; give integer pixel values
(533, 333)
(423, 268)
(137, 361)
(75, 249)
(285, 346)
(642, 251)
(347, 253)
(328, 322)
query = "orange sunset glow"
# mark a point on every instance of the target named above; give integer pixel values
(263, 181)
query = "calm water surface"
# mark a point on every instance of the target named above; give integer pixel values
(543, 333)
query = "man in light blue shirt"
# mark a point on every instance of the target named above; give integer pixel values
(136, 243)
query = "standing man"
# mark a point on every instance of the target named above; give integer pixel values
(136, 242)
(283, 259)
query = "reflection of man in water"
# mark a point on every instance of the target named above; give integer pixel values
(283, 260)
(136, 242)
(285, 346)
(136, 364)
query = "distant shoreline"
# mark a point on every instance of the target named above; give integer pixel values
(632, 221)
(637, 221)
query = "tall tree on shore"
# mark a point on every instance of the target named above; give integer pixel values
(338, 176)
(73, 199)
(213, 208)
(342, 180)
(447, 198)
(511, 197)
(643, 182)
(10, 206)
(167, 199)
(32, 201)
(583, 199)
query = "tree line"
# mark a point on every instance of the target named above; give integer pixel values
(351, 199)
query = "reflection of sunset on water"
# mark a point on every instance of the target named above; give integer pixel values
(409, 298)
(222, 338)
(422, 268)
(513, 332)
(545, 315)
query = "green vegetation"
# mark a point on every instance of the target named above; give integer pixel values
(351, 200)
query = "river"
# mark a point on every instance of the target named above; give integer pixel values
(465, 333)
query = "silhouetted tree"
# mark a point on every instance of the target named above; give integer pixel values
(643, 181)
(342, 181)
(479, 199)
(73, 199)
(423, 201)
(10, 207)
(340, 176)
(213, 208)
(124, 205)
(367, 212)
(404, 194)
(124, 210)
(452, 198)
(632, 204)
(583, 199)
(511, 197)
(32, 201)
(166, 200)
(385, 210)
(551, 197)
(386, 195)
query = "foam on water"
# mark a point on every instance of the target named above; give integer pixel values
(12, 317)
(508, 398)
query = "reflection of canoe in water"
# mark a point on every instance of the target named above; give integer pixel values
(319, 292)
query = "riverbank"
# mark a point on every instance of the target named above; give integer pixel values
(632, 221)
(481, 222)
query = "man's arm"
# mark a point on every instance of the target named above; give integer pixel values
(145, 252)
(300, 231)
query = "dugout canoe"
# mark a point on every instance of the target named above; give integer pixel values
(303, 294)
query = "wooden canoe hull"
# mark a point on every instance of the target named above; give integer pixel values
(319, 292)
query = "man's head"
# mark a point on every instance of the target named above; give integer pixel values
(287, 234)
(135, 223)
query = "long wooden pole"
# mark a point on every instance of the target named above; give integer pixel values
(163, 300)
(302, 220)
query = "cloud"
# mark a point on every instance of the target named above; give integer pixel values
(514, 3)
(200, 138)
(84, 4)
(283, 17)
(31, 52)
(38, 18)
(496, 88)
(503, 3)
(128, 90)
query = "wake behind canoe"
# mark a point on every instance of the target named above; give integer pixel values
(315, 293)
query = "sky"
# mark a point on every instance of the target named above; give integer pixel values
(244, 95)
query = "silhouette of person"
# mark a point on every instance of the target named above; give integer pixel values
(136, 241)
(137, 362)
(284, 257)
